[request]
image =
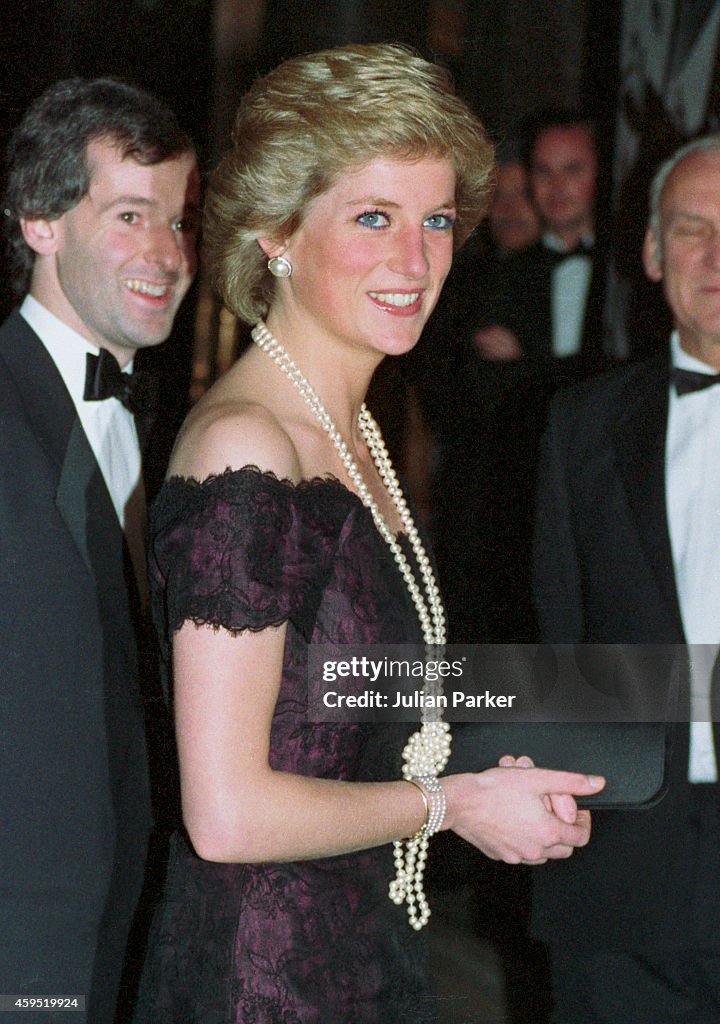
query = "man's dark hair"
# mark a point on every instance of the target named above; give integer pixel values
(47, 168)
(556, 117)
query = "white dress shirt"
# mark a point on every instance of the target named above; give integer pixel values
(108, 425)
(570, 287)
(692, 460)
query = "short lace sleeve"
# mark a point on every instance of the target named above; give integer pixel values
(235, 550)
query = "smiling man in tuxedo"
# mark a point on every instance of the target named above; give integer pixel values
(101, 208)
(627, 551)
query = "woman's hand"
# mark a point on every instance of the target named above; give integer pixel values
(561, 803)
(520, 817)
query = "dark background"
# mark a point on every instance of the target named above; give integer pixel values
(508, 58)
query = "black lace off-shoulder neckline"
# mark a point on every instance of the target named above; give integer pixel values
(245, 549)
(178, 483)
(178, 480)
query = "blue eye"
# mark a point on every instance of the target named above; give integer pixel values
(373, 219)
(440, 222)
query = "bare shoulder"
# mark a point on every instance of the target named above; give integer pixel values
(230, 434)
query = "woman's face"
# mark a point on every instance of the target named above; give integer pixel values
(371, 255)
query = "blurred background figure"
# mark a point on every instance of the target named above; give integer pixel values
(520, 314)
(543, 327)
(512, 218)
(548, 300)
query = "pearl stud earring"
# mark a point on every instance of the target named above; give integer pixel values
(279, 266)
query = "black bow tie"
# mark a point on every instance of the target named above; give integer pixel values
(104, 379)
(581, 249)
(687, 381)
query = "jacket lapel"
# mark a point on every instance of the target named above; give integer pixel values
(81, 494)
(639, 443)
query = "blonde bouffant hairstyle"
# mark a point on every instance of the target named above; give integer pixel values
(309, 121)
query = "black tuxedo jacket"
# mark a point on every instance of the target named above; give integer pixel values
(603, 572)
(75, 813)
(603, 562)
(519, 296)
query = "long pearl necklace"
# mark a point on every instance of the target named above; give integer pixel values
(427, 751)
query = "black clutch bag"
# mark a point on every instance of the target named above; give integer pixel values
(633, 756)
(644, 688)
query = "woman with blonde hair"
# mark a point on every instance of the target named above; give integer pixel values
(330, 225)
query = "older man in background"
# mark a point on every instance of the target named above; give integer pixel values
(626, 551)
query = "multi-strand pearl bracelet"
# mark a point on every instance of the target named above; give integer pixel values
(433, 794)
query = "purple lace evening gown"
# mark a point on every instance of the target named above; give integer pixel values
(284, 943)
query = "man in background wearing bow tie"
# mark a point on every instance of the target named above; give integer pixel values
(101, 209)
(546, 303)
(627, 550)
(538, 324)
